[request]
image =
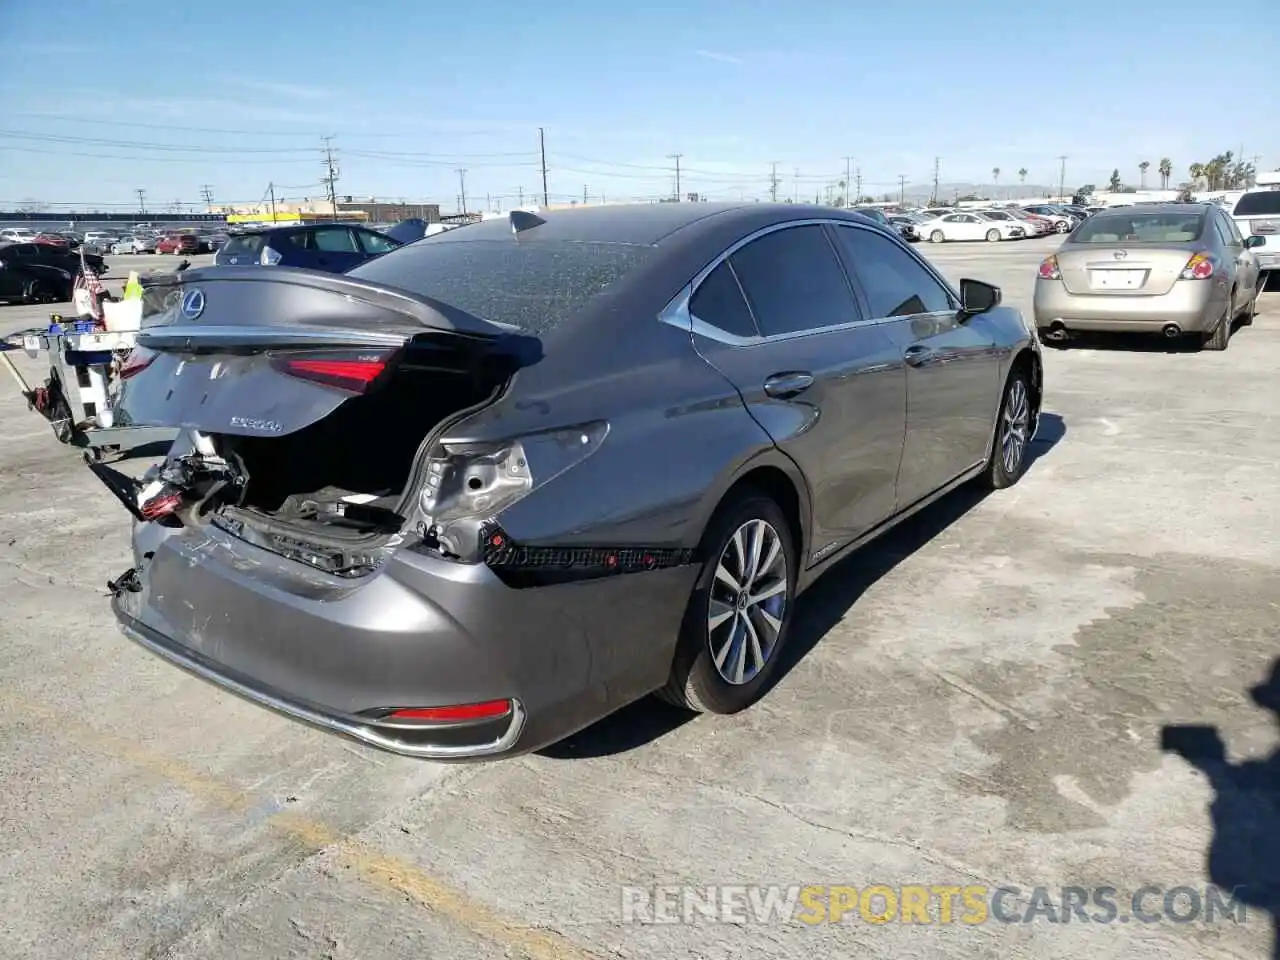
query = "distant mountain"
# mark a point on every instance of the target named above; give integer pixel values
(1004, 193)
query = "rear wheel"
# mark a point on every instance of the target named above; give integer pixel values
(1221, 336)
(1063, 227)
(1008, 460)
(738, 617)
(993, 236)
(41, 291)
(1251, 308)
(936, 236)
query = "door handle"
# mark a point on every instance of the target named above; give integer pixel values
(917, 355)
(783, 385)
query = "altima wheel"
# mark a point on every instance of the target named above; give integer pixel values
(736, 623)
(993, 236)
(937, 236)
(1013, 434)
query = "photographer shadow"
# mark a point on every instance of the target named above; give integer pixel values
(1244, 854)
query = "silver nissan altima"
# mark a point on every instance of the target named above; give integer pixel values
(481, 491)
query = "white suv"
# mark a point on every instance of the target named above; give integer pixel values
(1257, 213)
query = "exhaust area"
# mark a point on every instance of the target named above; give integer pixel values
(1171, 330)
(1057, 332)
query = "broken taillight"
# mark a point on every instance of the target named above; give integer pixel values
(139, 359)
(353, 374)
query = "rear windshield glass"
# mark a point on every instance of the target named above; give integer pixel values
(1141, 228)
(249, 245)
(529, 285)
(1265, 202)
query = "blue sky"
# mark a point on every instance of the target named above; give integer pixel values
(238, 94)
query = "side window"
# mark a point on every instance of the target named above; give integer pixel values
(301, 240)
(954, 218)
(719, 302)
(794, 282)
(24, 250)
(1230, 234)
(1223, 234)
(335, 240)
(896, 285)
(374, 242)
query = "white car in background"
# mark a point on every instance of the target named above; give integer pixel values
(971, 225)
(135, 244)
(1008, 216)
(17, 235)
(1036, 226)
(1257, 213)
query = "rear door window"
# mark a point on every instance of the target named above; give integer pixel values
(335, 240)
(1264, 203)
(794, 282)
(718, 301)
(375, 243)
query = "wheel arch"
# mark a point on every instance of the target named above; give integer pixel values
(776, 476)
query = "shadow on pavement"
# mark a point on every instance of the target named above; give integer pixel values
(1244, 854)
(820, 609)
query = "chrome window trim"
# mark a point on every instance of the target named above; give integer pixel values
(677, 314)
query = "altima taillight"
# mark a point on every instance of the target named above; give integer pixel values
(353, 374)
(1201, 266)
(1049, 269)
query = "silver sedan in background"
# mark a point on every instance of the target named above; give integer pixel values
(1176, 268)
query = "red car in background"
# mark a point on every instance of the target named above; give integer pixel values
(53, 240)
(178, 243)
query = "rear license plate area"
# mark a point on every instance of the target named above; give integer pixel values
(1116, 279)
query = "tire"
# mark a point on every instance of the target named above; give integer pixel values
(936, 237)
(993, 236)
(39, 291)
(696, 682)
(1062, 227)
(1251, 310)
(1009, 445)
(1220, 338)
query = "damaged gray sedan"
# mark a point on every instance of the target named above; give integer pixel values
(487, 488)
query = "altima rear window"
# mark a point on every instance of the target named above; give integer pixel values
(1141, 228)
(1264, 202)
(526, 284)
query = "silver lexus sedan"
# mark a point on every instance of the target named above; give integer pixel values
(1179, 269)
(483, 490)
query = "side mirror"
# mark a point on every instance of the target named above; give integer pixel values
(1253, 241)
(978, 297)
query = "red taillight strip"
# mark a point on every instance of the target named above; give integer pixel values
(487, 710)
(357, 371)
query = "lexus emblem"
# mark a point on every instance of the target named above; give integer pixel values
(193, 304)
(1120, 254)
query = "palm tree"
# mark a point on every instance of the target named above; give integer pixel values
(1197, 170)
(1143, 167)
(1166, 171)
(995, 178)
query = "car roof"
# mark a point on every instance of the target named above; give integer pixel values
(648, 224)
(1171, 207)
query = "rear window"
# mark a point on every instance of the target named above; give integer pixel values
(529, 285)
(248, 245)
(1263, 202)
(1141, 228)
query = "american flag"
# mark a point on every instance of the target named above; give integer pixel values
(88, 281)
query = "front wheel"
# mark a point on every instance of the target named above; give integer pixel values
(1063, 227)
(738, 616)
(993, 236)
(936, 237)
(1008, 460)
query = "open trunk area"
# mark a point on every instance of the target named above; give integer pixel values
(350, 468)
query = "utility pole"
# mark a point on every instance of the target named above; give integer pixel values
(1062, 177)
(330, 176)
(271, 189)
(521, 196)
(857, 176)
(795, 185)
(676, 157)
(584, 194)
(462, 187)
(142, 200)
(848, 184)
(206, 192)
(902, 187)
(542, 148)
(937, 169)
(773, 185)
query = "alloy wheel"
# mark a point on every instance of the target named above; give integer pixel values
(1013, 429)
(748, 602)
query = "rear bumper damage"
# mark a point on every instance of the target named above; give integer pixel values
(421, 633)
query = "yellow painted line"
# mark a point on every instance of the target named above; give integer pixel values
(375, 867)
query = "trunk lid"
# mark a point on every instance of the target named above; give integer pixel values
(1101, 269)
(248, 352)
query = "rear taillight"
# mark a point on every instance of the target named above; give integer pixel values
(269, 257)
(1200, 267)
(354, 374)
(139, 359)
(1049, 269)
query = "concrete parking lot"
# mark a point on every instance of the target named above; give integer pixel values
(979, 702)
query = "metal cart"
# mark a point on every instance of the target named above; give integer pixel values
(78, 398)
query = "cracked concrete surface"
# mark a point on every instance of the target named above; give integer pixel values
(976, 700)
